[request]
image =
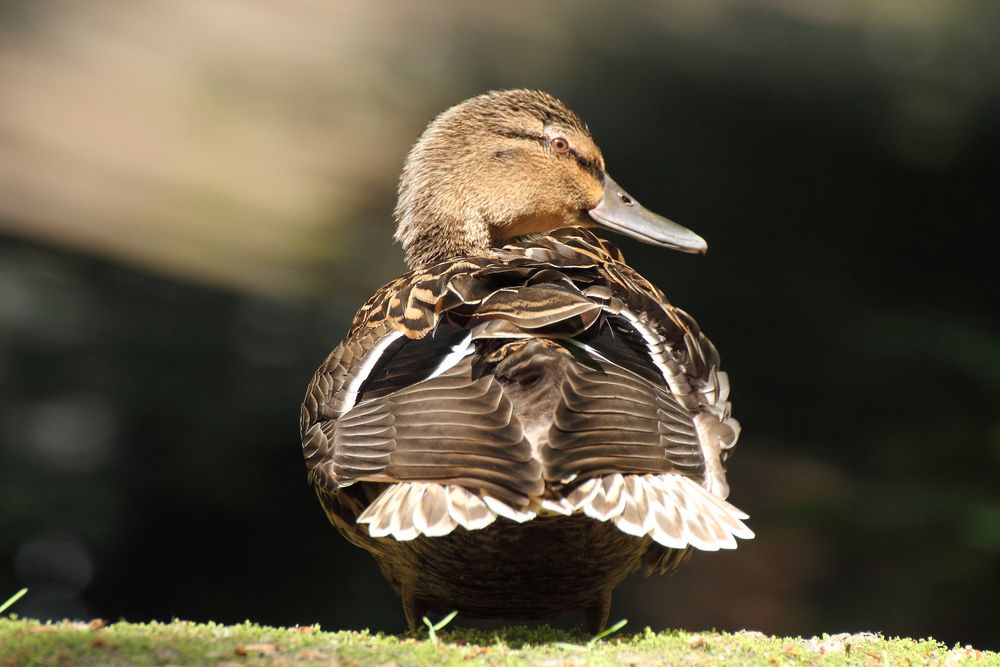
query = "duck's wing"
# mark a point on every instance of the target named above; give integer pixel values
(398, 410)
(551, 379)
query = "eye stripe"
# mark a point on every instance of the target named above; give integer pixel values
(592, 167)
(514, 134)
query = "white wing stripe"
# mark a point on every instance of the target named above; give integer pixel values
(458, 352)
(364, 370)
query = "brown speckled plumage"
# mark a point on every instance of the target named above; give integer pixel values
(522, 420)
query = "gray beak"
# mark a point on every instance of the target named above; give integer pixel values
(619, 211)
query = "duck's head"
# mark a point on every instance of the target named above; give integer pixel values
(511, 163)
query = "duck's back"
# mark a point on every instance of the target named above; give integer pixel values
(511, 436)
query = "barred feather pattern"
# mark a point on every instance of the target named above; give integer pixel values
(672, 510)
(543, 385)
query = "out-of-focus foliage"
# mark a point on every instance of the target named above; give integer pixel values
(195, 197)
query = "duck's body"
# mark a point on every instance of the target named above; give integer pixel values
(512, 431)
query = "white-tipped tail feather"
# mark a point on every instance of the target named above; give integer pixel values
(672, 509)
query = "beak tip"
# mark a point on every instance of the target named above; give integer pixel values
(690, 243)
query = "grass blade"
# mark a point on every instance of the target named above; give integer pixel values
(607, 631)
(432, 628)
(12, 599)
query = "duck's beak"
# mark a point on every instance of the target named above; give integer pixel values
(619, 211)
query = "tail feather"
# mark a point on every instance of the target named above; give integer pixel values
(464, 507)
(671, 509)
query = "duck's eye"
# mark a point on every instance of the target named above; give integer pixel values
(559, 145)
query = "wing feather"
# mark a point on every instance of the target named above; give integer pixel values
(451, 429)
(635, 429)
(612, 420)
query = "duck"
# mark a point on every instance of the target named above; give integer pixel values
(522, 420)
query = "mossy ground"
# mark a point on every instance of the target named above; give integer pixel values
(25, 642)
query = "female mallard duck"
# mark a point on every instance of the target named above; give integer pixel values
(522, 420)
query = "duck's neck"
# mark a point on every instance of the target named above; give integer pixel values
(428, 241)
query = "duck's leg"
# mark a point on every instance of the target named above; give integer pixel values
(414, 609)
(595, 614)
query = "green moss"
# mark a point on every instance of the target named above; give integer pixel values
(24, 643)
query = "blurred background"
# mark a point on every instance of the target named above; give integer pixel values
(195, 198)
